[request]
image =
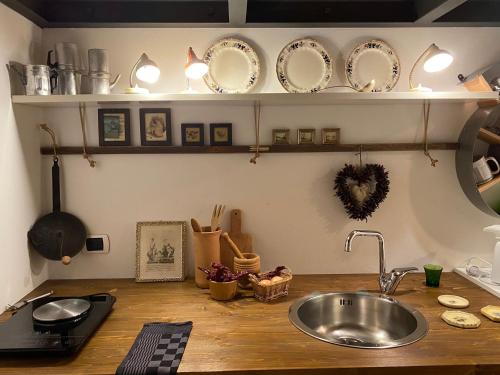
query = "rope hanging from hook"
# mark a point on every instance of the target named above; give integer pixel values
(83, 122)
(427, 109)
(256, 116)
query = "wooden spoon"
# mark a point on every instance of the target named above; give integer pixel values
(195, 224)
(233, 246)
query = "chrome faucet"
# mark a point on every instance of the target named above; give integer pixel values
(388, 282)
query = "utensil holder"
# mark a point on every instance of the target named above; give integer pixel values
(250, 263)
(206, 252)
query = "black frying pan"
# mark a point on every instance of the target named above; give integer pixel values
(58, 235)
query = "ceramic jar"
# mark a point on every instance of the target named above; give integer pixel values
(206, 252)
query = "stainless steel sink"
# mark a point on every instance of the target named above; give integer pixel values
(359, 320)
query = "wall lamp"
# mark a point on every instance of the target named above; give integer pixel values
(144, 70)
(194, 68)
(434, 60)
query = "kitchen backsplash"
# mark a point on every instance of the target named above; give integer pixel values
(287, 200)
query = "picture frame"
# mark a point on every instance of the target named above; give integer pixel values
(306, 136)
(156, 127)
(160, 251)
(281, 137)
(330, 136)
(114, 126)
(193, 134)
(221, 134)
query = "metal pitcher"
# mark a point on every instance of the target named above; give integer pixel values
(35, 78)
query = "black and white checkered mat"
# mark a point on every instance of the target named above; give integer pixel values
(157, 350)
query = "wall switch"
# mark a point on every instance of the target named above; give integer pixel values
(97, 244)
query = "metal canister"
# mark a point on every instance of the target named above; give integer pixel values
(66, 81)
(37, 79)
(98, 61)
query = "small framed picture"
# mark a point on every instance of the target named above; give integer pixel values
(160, 251)
(306, 136)
(193, 134)
(281, 136)
(221, 135)
(114, 127)
(330, 136)
(156, 128)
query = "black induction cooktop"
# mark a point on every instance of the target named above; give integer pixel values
(22, 334)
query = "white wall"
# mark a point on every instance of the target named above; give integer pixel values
(288, 200)
(20, 269)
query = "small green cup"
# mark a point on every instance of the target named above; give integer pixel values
(432, 275)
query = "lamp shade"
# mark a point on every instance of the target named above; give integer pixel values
(147, 70)
(194, 68)
(437, 60)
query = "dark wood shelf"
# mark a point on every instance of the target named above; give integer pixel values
(246, 149)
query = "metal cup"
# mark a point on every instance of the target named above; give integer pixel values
(67, 54)
(37, 79)
(98, 61)
(66, 81)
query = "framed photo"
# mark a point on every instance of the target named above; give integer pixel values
(193, 134)
(156, 128)
(221, 135)
(160, 251)
(114, 127)
(330, 136)
(281, 136)
(306, 136)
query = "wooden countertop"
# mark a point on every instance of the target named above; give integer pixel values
(246, 336)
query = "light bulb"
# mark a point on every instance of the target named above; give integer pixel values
(438, 62)
(196, 70)
(148, 73)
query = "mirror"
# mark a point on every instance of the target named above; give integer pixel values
(478, 158)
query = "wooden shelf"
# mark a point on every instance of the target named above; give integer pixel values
(246, 149)
(263, 98)
(488, 185)
(489, 137)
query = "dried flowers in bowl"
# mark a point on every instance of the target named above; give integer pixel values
(222, 282)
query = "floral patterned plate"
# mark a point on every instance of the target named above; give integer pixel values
(233, 67)
(373, 60)
(304, 66)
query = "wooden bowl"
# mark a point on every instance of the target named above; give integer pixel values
(223, 291)
(250, 263)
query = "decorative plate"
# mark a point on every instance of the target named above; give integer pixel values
(304, 66)
(233, 67)
(373, 59)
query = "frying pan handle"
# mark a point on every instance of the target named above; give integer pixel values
(56, 191)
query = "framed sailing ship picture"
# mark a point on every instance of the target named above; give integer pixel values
(160, 251)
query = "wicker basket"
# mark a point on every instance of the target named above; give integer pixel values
(267, 293)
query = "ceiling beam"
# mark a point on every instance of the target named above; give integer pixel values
(237, 12)
(431, 10)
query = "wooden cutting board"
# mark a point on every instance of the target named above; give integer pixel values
(242, 240)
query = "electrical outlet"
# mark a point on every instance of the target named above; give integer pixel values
(97, 244)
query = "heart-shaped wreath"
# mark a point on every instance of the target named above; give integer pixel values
(362, 189)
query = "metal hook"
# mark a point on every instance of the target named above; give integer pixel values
(360, 153)
(53, 136)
